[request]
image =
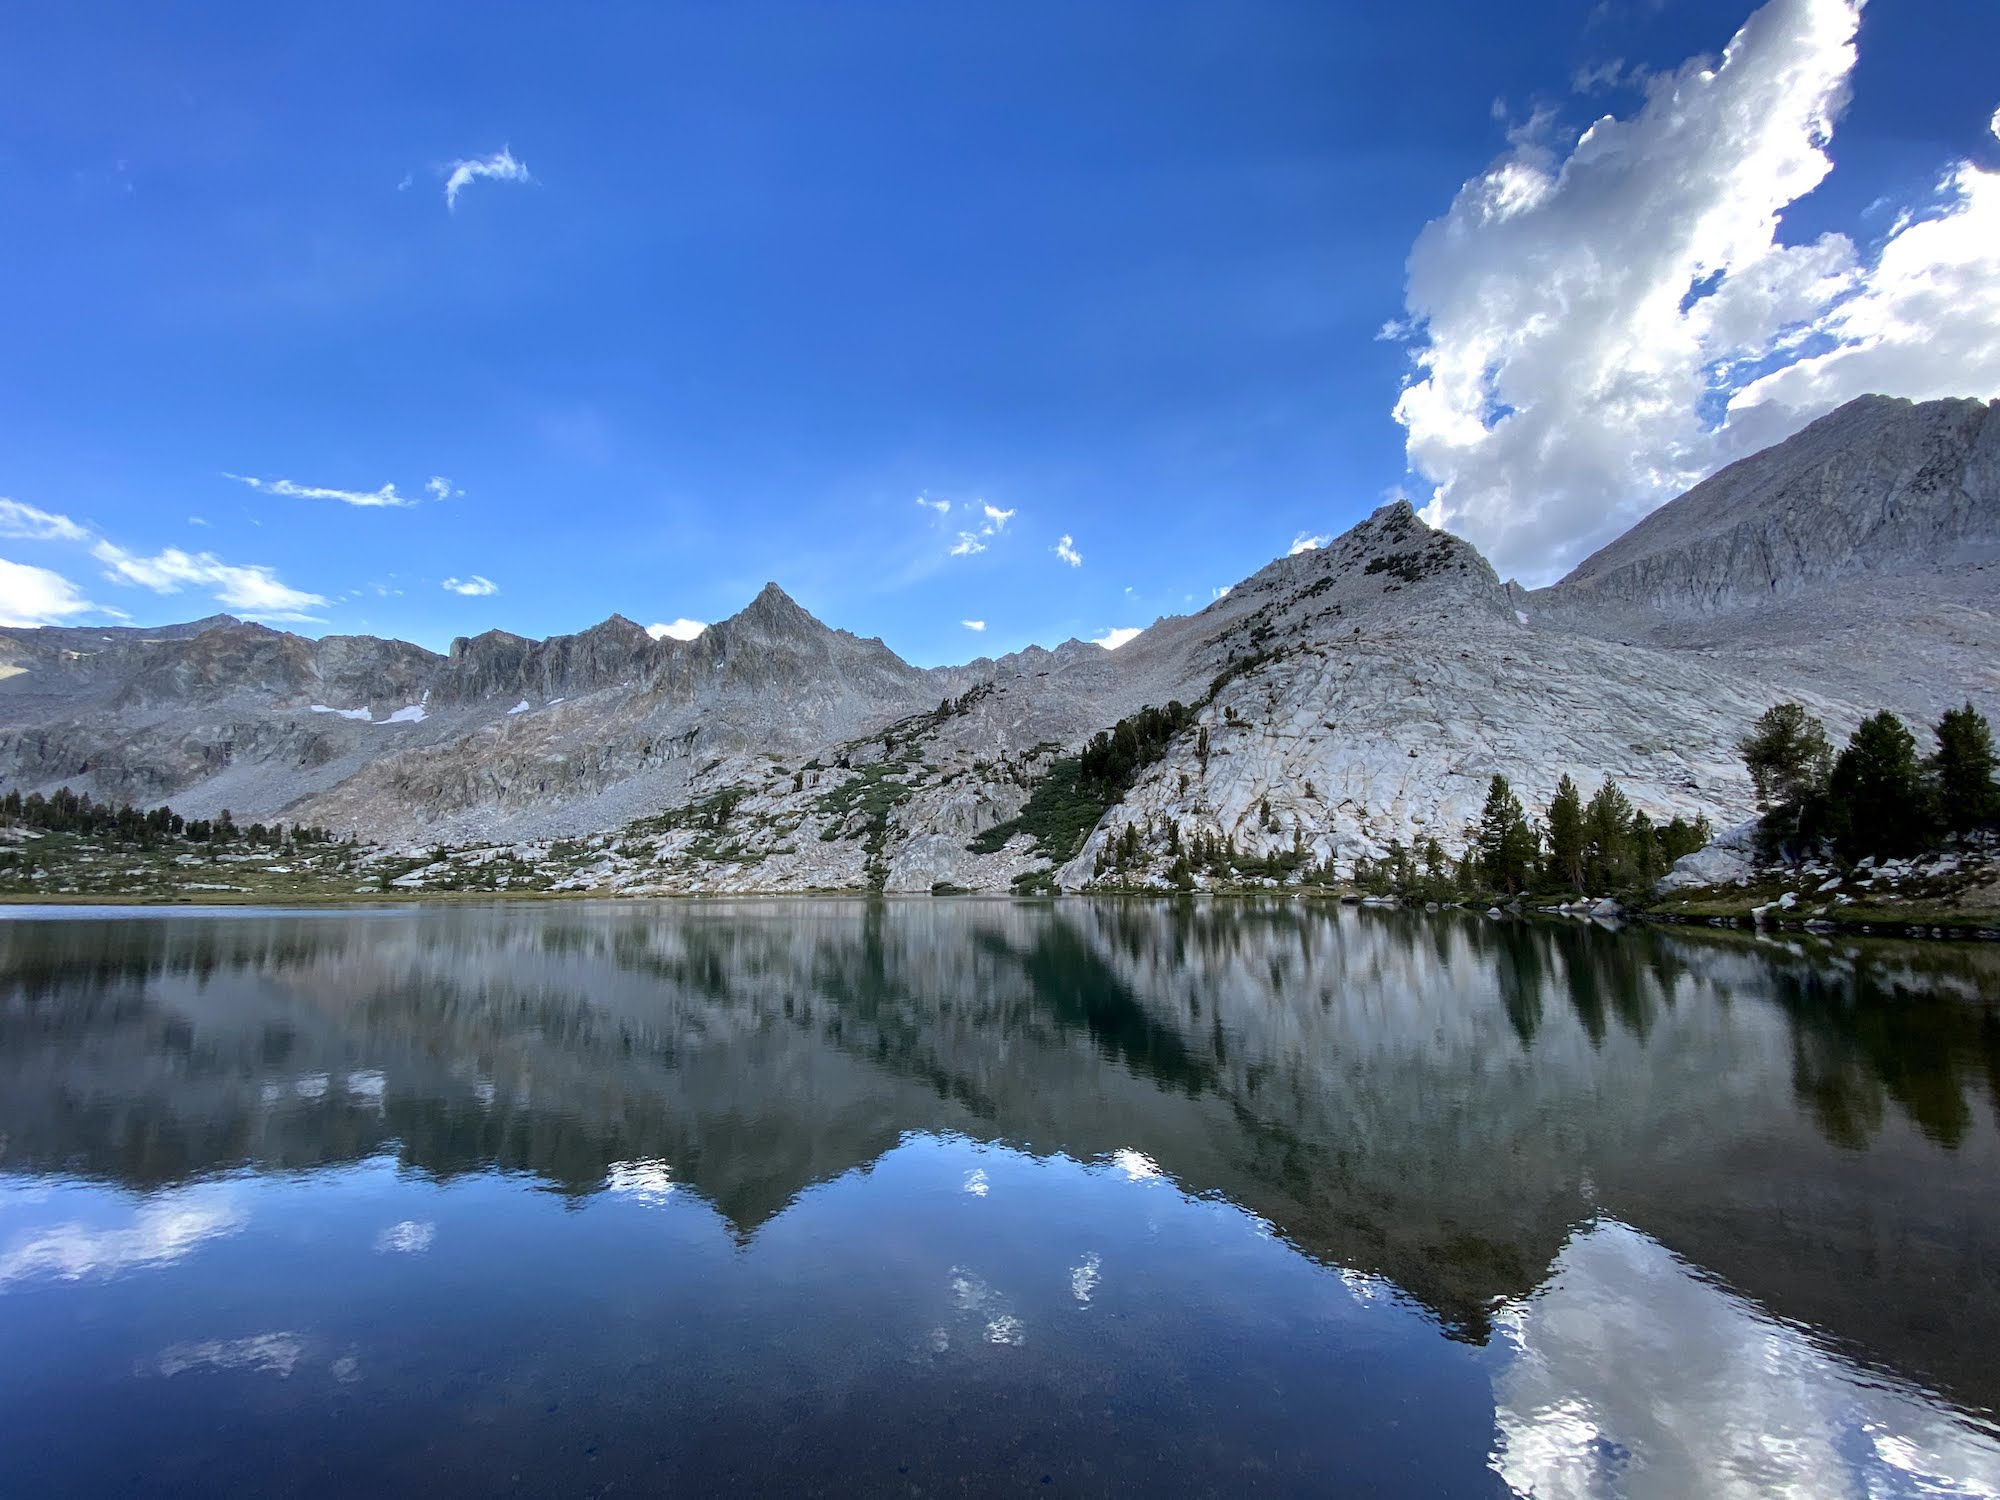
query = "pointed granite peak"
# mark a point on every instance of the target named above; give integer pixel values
(616, 624)
(775, 610)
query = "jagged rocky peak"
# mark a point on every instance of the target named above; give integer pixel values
(774, 612)
(363, 669)
(499, 664)
(239, 657)
(1878, 485)
(1391, 564)
(617, 627)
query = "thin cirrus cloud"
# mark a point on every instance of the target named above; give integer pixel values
(474, 587)
(28, 524)
(678, 630)
(942, 507)
(501, 166)
(973, 624)
(1066, 550)
(1600, 321)
(367, 499)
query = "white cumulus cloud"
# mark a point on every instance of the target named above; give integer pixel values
(501, 166)
(1066, 550)
(1118, 636)
(251, 588)
(973, 624)
(474, 587)
(996, 518)
(1306, 542)
(967, 544)
(679, 630)
(442, 488)
(37, 596)
(386, 496)
(1598, 327)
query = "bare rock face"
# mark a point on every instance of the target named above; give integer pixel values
(1876, 486)
(1338, 700)
(496, 664)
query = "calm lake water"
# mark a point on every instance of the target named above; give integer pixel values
(977, 1196)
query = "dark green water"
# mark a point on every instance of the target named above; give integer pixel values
(974, 1196)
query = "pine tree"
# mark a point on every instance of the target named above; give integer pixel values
(1505, 839)
(1962, 769)
(1565, 836)
(1875, 801)
(1789, 758)
(1642, 846)
(1607, 828)
(1680, 838)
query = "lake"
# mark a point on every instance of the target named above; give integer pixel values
(961, 1195)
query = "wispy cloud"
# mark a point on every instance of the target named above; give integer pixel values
(501, 166)
(442, 488)
(968, 543)
(37, 596)
(996, 518)
(1306, 542)
(474, 587)
(973, 624)
(1066, 550)
(942, 507)
(162, 1230)
(386, 496)
(251, 588)
(1118, 636)
(198, 521)
(32, 525)
(678, 630)
(276, 1353)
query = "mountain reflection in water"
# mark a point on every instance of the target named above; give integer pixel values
(1547, 1207)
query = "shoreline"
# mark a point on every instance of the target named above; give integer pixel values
(1953, 927)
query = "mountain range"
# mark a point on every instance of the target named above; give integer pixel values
(1343, 697)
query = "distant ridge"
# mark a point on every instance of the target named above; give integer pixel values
(1338, 700)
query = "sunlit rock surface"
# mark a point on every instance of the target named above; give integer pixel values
(1351, 695)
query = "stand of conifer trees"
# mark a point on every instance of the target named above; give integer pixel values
(1877, 796)
(65, 811)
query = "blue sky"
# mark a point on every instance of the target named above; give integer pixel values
(778, 272)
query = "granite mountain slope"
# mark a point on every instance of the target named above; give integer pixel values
(1339, 698)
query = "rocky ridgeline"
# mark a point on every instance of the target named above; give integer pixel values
(1339, 700)
(1878, 485)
